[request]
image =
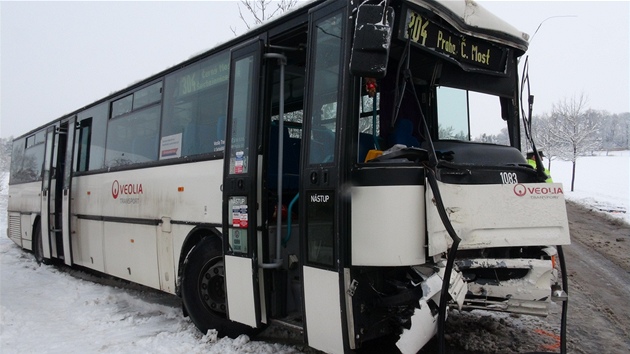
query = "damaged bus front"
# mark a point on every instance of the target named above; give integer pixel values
(434, 196)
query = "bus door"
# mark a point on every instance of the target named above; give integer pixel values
(241, 202)
(55, 199)
(322, 271)
(66, 191)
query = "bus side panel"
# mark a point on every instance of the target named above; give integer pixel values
(26, 220)
(388, 227)
(87, 244)
(188, 193)
(131, 252)
(150, 201)
(166, 266)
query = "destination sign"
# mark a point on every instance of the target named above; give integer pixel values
(459, 47)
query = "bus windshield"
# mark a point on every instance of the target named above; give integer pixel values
(469, 116)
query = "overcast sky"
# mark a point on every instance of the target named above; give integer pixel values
(59, 56)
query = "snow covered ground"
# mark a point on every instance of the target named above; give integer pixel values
(55, 310)
(602, 182)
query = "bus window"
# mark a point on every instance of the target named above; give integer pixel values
(195, 102)
(122, 106)
(133, 138)
(324, 109)
(27, 159)
(239, 145)
(85, 131)
(470, 116)
(147, 95)
(452, 106)
(94, 136)
(486, 123)
(133, 131)
(369, 125)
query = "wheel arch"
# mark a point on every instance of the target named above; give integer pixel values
(195, 235)
(36, 224)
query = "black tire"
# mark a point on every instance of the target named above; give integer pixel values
(203, 290)
(38, 246)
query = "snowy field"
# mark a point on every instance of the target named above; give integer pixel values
(602, 182)
(51, 310)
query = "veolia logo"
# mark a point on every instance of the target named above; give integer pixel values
(126, 188)
(520, 190)
(543, 192)
(115, 189)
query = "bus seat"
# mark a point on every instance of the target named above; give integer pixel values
(403, 134)
(366, 143)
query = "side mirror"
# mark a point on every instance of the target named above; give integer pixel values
(372, 38)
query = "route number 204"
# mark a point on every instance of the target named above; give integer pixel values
(509, 177)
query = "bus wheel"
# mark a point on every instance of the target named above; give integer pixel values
(203, 290)
(38, 246)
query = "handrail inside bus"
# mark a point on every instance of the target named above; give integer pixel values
(282, 61)
(289, 221)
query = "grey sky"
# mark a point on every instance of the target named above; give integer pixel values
(59, 56)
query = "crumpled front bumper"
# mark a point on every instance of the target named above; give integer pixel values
(530, 294)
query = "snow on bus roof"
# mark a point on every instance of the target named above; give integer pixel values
(468, 16)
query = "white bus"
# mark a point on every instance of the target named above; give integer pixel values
(317, 172)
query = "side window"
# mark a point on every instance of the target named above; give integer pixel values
(369, 124)
(239, 144)
(83, 152)
(91, 137)
(147, 95)
(133, 138)
(27, 159)
(134, 126)
(195, 106)
(122, 106)
(325, 86)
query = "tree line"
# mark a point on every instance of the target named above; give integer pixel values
(572, 130)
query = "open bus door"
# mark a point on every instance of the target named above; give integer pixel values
(47, 194)
(241, 198)
(321, 267)
(55, 195)
(66, 200)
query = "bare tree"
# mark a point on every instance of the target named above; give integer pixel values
(542, 131)
(574, 129)
(255, 12)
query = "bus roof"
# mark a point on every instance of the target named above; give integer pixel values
(470, 18)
